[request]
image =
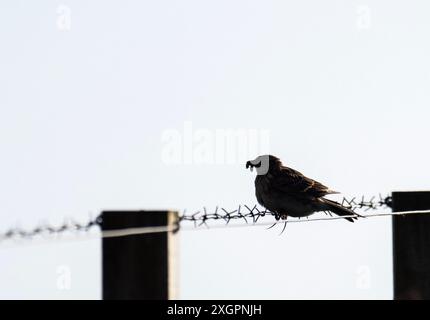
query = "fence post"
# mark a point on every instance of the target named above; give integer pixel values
(411, 246)
(139, 266)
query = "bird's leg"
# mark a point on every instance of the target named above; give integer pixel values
(283, 216)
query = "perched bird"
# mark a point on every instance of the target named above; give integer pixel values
(287, 192)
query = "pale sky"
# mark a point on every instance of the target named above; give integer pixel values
(89, 90)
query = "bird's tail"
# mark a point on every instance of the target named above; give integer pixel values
(338, 209)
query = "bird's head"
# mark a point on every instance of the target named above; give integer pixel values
(264, 164)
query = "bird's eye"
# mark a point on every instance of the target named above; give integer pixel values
(258, 165)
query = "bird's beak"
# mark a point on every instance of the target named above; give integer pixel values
(249, 164)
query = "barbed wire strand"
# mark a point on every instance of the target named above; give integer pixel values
(146, 230)
(200, 218)
(172, 228)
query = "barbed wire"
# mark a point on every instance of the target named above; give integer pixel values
(331, 218)
(173, 228)
(49, 230)
(245, 212)
(198, 219)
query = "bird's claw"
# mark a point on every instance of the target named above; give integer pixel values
(283, 229)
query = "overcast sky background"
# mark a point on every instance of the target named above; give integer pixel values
(89, 88)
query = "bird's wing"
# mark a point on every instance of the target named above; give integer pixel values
(291, 181)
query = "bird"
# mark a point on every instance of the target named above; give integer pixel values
(287, 192)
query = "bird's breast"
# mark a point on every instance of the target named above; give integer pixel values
(262, 189)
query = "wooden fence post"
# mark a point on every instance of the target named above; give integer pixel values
(411, 246)
(140, 266)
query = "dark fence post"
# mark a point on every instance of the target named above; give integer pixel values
(140, 266)
(411, 246)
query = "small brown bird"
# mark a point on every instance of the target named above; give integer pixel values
(287, 192)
